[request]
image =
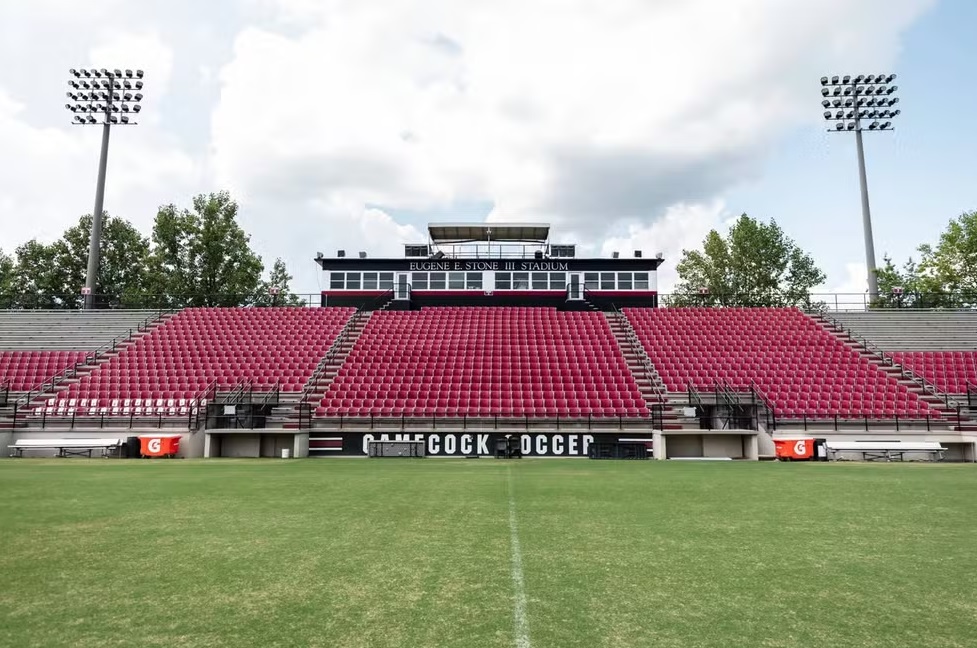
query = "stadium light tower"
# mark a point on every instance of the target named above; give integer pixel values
(848, 101)
(107, 98)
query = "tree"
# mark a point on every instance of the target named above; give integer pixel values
(38, 285)
(279, 279)
(8, 281)
(945, 277)
(203, 257)
(756, 264)
(52, 275)
(123, 253)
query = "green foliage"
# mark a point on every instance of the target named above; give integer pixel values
(203, 257)
(756, 264)
(945, 277)
(280, 279)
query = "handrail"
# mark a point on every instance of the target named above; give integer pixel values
(887, 359)
(331, 353)
(971, 395)
(638, 349)
(90, 359)
(276, 392)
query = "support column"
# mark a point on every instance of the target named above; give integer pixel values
(658, 445)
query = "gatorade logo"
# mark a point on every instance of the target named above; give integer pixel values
(800, 448)
(154, 445)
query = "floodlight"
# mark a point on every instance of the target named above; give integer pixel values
(825, 92)
(859, 78)
(839, 126)
(837, 92)
(890, 78)
(847, 91)
(117, 72)
(125, 119)
(873, 125)
(826, 103)
(848, 103)
(827, 114)
(91, 120)
(896, 113)
(138, 85)
(834, 80)
(886, 125)
(839, 114)
(79, 119)
(137, 96)
(851, 125)
(846, 79)
(870, 78)
(113, 119)
(891, 89)
(136, 108)
(128, 74)
(893, 101)
(138, 74)
(824, 80)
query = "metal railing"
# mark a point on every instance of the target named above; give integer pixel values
(972, 397)
(4, 392)
(889, 361)
(90, 360)
(307, 420)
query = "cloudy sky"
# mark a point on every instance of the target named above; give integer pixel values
(624, 123)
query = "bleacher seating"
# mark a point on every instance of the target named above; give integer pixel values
(938, 346)
(162, 371)
(793, 360)
(28, 369)
(950, 371)
(57, 330)
(509, 362)
(912, 330)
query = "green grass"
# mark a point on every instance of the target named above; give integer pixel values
(418, 553)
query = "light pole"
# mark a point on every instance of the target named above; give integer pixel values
(107, 98)
(847, 101)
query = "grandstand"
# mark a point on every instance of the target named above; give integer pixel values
(485, 334)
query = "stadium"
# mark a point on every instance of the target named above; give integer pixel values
(487, 336)
(544, 387)
(635, 426)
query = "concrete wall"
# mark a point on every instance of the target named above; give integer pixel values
(239, 445)
(684, 445)
(722, 445)
(6, 438)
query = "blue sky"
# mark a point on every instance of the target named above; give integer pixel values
(919, 176)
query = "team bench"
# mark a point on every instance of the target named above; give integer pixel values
(68, 447)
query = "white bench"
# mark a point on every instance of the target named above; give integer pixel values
(67, 447)
(885, 450)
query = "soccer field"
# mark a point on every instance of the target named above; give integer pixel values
(486, 553)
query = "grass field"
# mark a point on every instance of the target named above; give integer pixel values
(421, 553)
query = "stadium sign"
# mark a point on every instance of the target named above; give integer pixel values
(460, 444)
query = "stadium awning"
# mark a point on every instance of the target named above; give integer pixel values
(484, 232)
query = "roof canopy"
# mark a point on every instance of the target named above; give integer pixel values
(484, 232)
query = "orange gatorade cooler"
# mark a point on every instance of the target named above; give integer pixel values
(795, 449)
(159, 445)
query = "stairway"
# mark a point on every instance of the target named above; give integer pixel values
(926, 392)
(103, 355)
(286, 414)
(649, 382)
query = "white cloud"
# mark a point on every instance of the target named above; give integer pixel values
(622, 122)
(590, 115)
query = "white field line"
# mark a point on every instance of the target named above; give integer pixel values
(518, 581)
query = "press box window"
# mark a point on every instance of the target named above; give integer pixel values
(386, 281)
(539, 281)
(503, 280)
(624, 280)
(558, 281)
(520, 280)
(590, 281)
(474, 280)
(456, 280)
(607, 281)
(418, 281)
(437, 281)
(337, 280)
(352, 280)
(641, 281)
(369, 281)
